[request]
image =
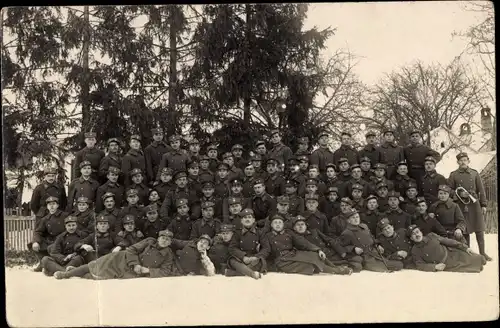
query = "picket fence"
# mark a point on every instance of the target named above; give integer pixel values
(18, 232)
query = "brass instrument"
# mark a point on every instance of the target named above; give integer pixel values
(468, 197)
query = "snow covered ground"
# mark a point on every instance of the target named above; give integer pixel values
(35, 300)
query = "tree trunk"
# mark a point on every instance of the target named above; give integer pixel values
(172, 90)
(85, 75)
(247, 94)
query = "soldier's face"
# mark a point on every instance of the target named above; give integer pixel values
(129, 227)
(222, 173)
(332, 196)
(204, 164)
(393, 202)
(183, 210)
(259, 188)
(354, 219)
(311, 189)
(282, 208)
(323, 140)
(277, 225)
(346, 140)
(344, 166)
(429, 166)
(294, 168)
(370, 140)
(372, 204)
(237, 153)
(344, 207)
(86, 170)
(132, 200)
(181, 182)
(153, 196)
(113, 177)
(235, 208)
(411, 193)
(300, 227)
(416, 235)
(247, 221)
(257, 163)
(388, 231)
(226, 236)
(249, 171)
(158, 137)
(302, 147)
(90, 142)
(290, 190)
(194, 148)
(208, 192)
(271, 168)
(463, 162)
(415, 138)
(202, 245)
(109, 203)
(52, 207)
(82, 207)
(113, 147)
(175, 144)
(212, 153)
(194, 170)
(152, 216)
(313, 173)
(137, 179)
(389, 137)
(71, 227)
(312, 205)
(443, 195)
(275, 138)
(135, 144)
(208, 212)
(379, 173)
(50, 178)
(237, 189)
(165, 177)
(422, 207)
(261, 149)
(365, 166)
(303, 165)
(382, 192)
(164, 241)
(357, 194)
(229, 161)
(356, 173)
(102, 227)
(403, 169)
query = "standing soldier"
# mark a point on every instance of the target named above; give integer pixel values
(153, 154)
(49, 187)
(256, 160)
(110, 186)
(415, 154)
(136, 175)
(431, 181)
(356, 178)
(263, 204)
(90, 154)
(322, 155)
(260, 149)
(205, 175)
(344, 169)
(133, 159)
(82, 186)
(295, 174)
(304, 163)
(234, 172)
(213, 153)
(346, 150)
(401, 179)
(177, 158)
(470, 180)
(237, 151)
(111, 159)
(280, 151)
(180, 191)
(370, 150)
(194, 150)
(391, 153)
(274, 180)
(303, 146)
(366, 169)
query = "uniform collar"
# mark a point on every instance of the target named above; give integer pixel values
(102, 235)
(263, 197)
(56, 213)
(47, 185)
(210, 222)
(82, 179)
(448, 203)
(430, 173)
(402, 177)
(158, 143)
(87, 212)
(369, 147)
(135, 152)
(467, 170)
(112, 211)
(389, 144)
(113, 184)
(397, 210)
(182, 217)
(252, 229)
(345, 147)
(163, 251)
(278, 233)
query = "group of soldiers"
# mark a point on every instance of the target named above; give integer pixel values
(176, 211)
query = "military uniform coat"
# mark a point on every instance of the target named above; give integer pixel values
(152, 156)
(116, 189)
(392, 154)
(81, 187)
(336, 183)
(234, 220)
(296, 205)
(401, 183)
(281, 153)
(248, 185)
(330, 209)
(206, 176)
(111, 159)
(348, 187)
(409, 206)
(330, 246)
(428, 223)
(103, 243)
(85, 221)
(398, 219)
(371, 219)
(235, 173)
(449, 215)
(337, 225)
(222, 187)
(133, 159)
(65, 245)
(114, 218)
(49, 227)
(136, 210)
(383, 204)
(150, 229)
(250, 242)
(44, 191)
(163, 188)
(175, 159)
(321, 157)
(344, 177)
(415, 156)
(359, 204)
(168, 208)
(188, 257)
(219, 254)
(181, 227)
(397, 242)
(316, 220)
(93, 155)
(348, 152)
(203, 226)
(218, 208)
(275, 184)
(263, 206)
(372, 152)
(125, 239)
(429, 185)
(245, 203)
(372, 186)
(301, 179)
(142, 192)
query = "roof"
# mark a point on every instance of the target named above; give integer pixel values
(478, 161)
(467, 143)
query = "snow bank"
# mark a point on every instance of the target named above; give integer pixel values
(38, 301)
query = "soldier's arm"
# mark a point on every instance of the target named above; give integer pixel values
(88, 240)
(166, 267)
(420, 263)
(480, 191)
(195, 233)
(35, 199)
(346, 241)
(265, 247)
(459, 218)
(333, 243)
(56, 249)
(71, 196)
(303, 244)
(234, 247)
(314, 158)
(438, 228)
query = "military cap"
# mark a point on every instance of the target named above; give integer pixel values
(222, 165)
(246, 211)
(343, 159)
(151, 208)
(233, 200)
(227, 155)
(166, 170)
(225, 227)
(256, 157)
(430, 159)
(129, 218)
(258, 181)
(311, 197)
(371, 197)
(388, 130)
(212, 147)
(236, 182)
(194, 141)
(180, 174)
(345, 133)
(331, 165)
(415, 132)
(283, 200)
(411, 228)
(382, 184)
(393, 193)
(181, 201)
(333, 189)
(208, 185)
(291, 183)
(247, 163)
(108, 195)
(49, 170)
(273, 132)
(207, 238)
(110, 140)
(157, 131)
(135, 171)
(85, 163)
(346, 200)
(51, 199)
(207, 204)
(355, 166)
(351, 213)
(135, 137)
(312, 182)
(165, 233)
(260, 142)
(102, 218)
(445, 188)
(357, 186)
(303, 140)
(192, 164)
(303, 158)
(380, 166)
(70, 218)
(402, 163)
(293, 160)
(324, 133)
(276, 217)
(412, 184)
(204, 158)
(462, 155)
(83, 199)
(174, 137)
(90, 134)
(370, 134)
(365, 160)
(313, 166)
(237, 146)
(383, 223)
(132, 192)
(297, 219)
(271, 161)
(421, 200)
(114, 169)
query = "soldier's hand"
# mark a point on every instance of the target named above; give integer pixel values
(484, 210)
(144, 270)
(440, 266)
(88, 248)
(137, 269)
(254, 260)
(358, 250)
(68, 257)
(140, 234)
(403, 254)
(343, 255)
(246, 260)
(35, 246)
(116, 249)
(458, 233)
(469, 251)
(380, 249)
(322, 255)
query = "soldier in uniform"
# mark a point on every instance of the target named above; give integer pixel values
(82, 186)
(371, 215)
(128, 235)
(133, 208)
(194, 150)
(379, 176)
(356, 178)
(430, 181)
(235, 209)
(154, 198)
(346, 150)
(303, 164)
(382, 199)
(181, 223)
(391, 153)
(98, 243)
(397, 217)
(366, 169)
(257, 164)
(110, 186)
(152, 224)
(315, 175)
(435, 253)
(322, 155)
(111, 212)
(415, 154)
(295, 174)
(370, 151)
(113, 158)
(344, 170)
(207, 224)
(85, 216)
(282, 209)
(205, 174)
(296, 205)
(212, 153)
(449, 215)
(91, 154)
(274, 179)
(331, 205)
(219, 252)
(236, 191)
(192, 258)
(358, 202)
(425, 221)
(332, 179)
(193, 176)
(409, 205)
(166, 183)
(402, 179)
(239, 160)
(234, 172)
(263, 204)
(138, 184)
(339, 223)
(279, 151)
(396, 245)
(177, 158)
(222, 181)
(133, 159)
(49, 187)
(314, 218)
(208, 191)
(153, 154)
(302, 147)
(260, 149)
(181, 191)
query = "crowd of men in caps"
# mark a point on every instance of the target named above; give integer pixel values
(165, 211)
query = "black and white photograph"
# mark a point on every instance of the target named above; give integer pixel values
(249, 164)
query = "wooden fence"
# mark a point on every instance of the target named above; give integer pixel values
(18, 231)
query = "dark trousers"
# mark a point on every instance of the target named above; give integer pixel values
(50, 265)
